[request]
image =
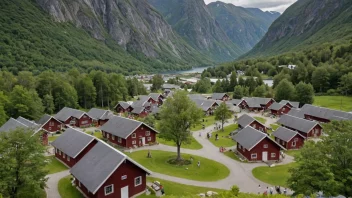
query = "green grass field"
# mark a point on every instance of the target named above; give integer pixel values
(260, 119)
(277, 175)
(98, 135)
(334, 102)
(194, 145)
(52, 138)
(55, 165)
(66, 189)
(209, 170)
(209, 120)
(179, 190)
(224, 140)
(232, 155)
(293, 153)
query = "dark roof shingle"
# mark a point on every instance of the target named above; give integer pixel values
(299, 124)
(285, 134)
(67, 112)
(99, 114)
(72, 142)
(245, 120)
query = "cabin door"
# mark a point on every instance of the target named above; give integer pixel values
(143, 141)
(265, 156)
(124, 192)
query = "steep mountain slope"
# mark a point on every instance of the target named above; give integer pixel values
(305, 24)
(244, 26)
(122, 36)
(194, 22)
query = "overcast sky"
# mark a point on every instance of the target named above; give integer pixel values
(266, 5)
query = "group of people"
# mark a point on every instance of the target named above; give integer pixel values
(209, 136)
(277, 189)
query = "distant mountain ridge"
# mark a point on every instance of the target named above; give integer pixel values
(307, 23)
(196, 24)
(244, 26)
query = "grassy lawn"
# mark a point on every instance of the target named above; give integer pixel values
(66, 189)
(52, 138)
(55, 165)
(194, 145)
(224, 140)
(179, 190)
(260, 119)
(293, 153)
(209, 170)
(334, 102)
(232, 155)
(98, 135)
(209, 120)
(274, 126)
(277, 175)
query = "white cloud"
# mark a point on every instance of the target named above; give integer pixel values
(266, 5)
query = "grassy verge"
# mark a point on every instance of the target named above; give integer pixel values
(52, 138)
(98, 135)
(55, 166)
(232, 155)
(277, 175)
(66, 190)
(194, 145)
(260, 119)
(224, 140)
(208, 120)
(342, 103)
(293, 153)
(270, 132)
(179, 190)
(209, 170)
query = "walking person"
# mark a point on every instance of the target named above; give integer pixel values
(200, 134)
(271, 190)
(216, 136)
(198, 164)
(285, 191)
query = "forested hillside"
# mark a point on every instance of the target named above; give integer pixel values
(307, 24)
(31, 96)
(31, 39)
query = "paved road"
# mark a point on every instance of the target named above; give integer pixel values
(52, 184)
(240, 173)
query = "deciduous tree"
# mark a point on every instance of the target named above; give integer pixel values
(178, 114)
(157, 82)
(304, 93)
(259, 91)
(22, 164)
(238, 92)
(86, 92)
(233, 81)
(222, 113)
(320, 79)
(285, 91)
(48, 103)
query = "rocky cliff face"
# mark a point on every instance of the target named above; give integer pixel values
(133, 24)
(195, 23)
(244, 26)
(305, 23)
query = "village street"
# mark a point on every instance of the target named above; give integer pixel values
(240, 173)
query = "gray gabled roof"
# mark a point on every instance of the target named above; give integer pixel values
(44, 119)
(170, 86)
(155, 110)
(121, 127)
(138, 110)
(98, 165)
(245, 120)
(249, 137)
(72, 142)
(276, 106)
(196, 96)
(235, 101)
(142, 102)
(296, 113)
(99, 114)
(67, 112)
(296, 123)
(218, 96)
(123, 104)
(293, 104)
(28, 122)
(325, 113)
(155, 96)
(12, 124)
(257, 100)
(285, 134)
(204, 104)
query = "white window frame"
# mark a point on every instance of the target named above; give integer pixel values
(56, 150)
(51, 123)
(135, 179)
(123, 177)
(68, 158)
(112, 137)
(254, 154)
(64, 155)
(134, 135)
(119, 140)
(112, 189)
(134, 142)
(273, 154)
(59, 152)
(107, 135)
(149, 139)
(265, 146)
(294, 143)
(147, 133)
(79, 184)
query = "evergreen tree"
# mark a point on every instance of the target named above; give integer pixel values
(233, 81)
(86, 92)
(238, 92)
(3, 116)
